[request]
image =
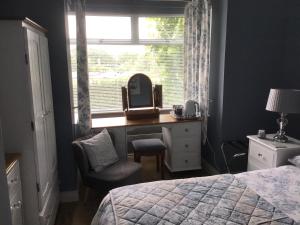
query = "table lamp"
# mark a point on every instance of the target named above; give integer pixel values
(284, 101)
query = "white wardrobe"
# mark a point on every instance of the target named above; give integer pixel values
(26, 110)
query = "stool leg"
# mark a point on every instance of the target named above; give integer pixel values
(86, 194)
(162, 155)
(137, 157)
(157, 162)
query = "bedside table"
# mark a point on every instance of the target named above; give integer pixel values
(265, 153)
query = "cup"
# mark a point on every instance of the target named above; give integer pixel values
(261, 134)
(178, 109)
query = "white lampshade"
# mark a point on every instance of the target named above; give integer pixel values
(284, 101)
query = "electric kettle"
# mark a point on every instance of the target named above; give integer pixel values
(191, 109)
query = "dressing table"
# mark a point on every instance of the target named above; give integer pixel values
(142, 120)
(182, 137)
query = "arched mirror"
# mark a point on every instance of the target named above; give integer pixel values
(140, 94)
(140, 91)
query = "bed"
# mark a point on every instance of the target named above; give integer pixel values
(270, 196)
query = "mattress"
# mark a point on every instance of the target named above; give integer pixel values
(260, 197)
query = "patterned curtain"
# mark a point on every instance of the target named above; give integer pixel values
(197, 55)
(84, 109)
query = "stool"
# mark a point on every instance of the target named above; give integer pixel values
(150, 147)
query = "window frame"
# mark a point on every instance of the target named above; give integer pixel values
(134, 40)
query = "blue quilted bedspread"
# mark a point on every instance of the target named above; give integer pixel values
(214, 200)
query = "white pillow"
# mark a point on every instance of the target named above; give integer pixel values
(100, 151)
(295, 160)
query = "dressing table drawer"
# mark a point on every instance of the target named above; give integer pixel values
(187, 129)
(186, 145)
(183, 162)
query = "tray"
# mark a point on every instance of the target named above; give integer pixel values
(196, 117)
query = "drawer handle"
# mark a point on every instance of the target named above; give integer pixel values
(47, 217)
(14, 180)
(16, 205)
(186, 145)
(186, 130)
(186, 161)
(260, 155)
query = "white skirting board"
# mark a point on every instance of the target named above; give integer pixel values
(69, 196)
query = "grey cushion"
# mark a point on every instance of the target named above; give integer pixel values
(100, 150)
(152, 144)
(119, 174)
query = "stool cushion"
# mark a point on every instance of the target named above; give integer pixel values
(148, 145)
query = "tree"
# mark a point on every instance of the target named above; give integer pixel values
(169, 28)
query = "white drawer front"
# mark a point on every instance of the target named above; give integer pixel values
(186, 145)
(14, 182)
(187, 129)
(261, 154)
(253, 165)
(186, 162)
(16, 212)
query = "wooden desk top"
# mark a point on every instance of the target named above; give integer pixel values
(123, 122)
(10, 160)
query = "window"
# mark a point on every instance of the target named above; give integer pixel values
(120, 46)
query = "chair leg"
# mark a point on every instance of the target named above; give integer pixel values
(162, 155)
(157, 163)
(86, 195)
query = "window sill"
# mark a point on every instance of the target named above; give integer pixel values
(120, 114)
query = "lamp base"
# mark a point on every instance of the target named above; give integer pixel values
(280, 138)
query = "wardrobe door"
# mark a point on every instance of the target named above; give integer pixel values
(48, 105)
(41, 157)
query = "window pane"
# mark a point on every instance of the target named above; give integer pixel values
(74, 73)
(72, 26)
(110, 67)
(103, 27)
(161, 28)
(108, 27)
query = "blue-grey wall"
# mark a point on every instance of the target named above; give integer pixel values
(253, 65)
(291, 68)
(262, 51)
(256, 46)
(50, 14)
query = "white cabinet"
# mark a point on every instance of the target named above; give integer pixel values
(27, 115)
(15, 192)
(265, 153)
(183, 141)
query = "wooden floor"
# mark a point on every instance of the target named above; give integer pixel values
(80, 213)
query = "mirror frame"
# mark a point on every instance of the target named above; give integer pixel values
(129, 91)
